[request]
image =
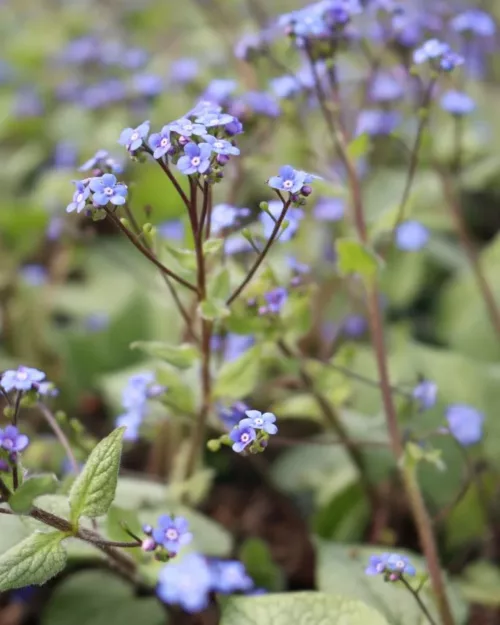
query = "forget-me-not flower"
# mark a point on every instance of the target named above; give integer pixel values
(289, 180)
(160, 143)
(242, 436)
(258, 421)
(465, 423)
(186, 583)
(411, 236)
(107, 189)
(196, 158)
(186, 128)
(172, 533)
(133, 138)
(221, 146)
(80, 197)
(21, 379)
(12, 441)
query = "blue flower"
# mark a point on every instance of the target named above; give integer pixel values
(47, 389)
(160, 143)
(377, 122)
(186, 583)
(425, 393)
(210, 120)
(54, 228)
(219, 90)
(377, 564)
(196, 158)
(258, 421)
(221, 146)
(224, 216)
(102, 160)
(132, 421)
(386, 88)
(234, 345)
(140, 387)
(34, 275)
(148, 85)
(234, 128)
(186, 128)
(184, 70)
(233, 415)
(275, 300)
(173, 229)
(261, 103)
(474, 21)
(133, 58)
(400, 564)
(172, 533)
(229, 576)
(285, 86)
(204, 107)
(354, 326)
(107, 189)
(289, 180)
(80, 197)
(133, 138)
(12, 441)
(457, 103)
(329, 209)
(438, 54)
(242, 437)
(465, 423)
(293, 217)
(21, 379)
(411, 236)
(65, 155)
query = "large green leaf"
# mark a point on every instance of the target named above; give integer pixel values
(340, 570)
(100, 598)
(237, 378)
(22, 500)
(299, 608)
(180, 356)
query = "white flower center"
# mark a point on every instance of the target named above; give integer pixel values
(400, 564)
(22, 375)
(134, 136)
(188, 127)
(164, 142)
(380, 567)
(218, 144)
(245, 438)
(195, 161)
(288, 184)
(259, 421)
(108, 191)
(172, 534)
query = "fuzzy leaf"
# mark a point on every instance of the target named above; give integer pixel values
(22, 500)
(212, 309)
(180, 356)
(237, 378)
(94, 489)
(211, 246)
(32, 561)
(353, 257)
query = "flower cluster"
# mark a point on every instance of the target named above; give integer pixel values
(391, 565)
(140, 388)
(166, 540)
(438, 54)
(293, 181)
(97, 192)
(189, 582)
(24, 379)
(253, 431)
(12, 441)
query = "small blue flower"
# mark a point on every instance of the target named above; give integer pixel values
(12, 441)
(135, 394)
(354, 326)
(47, 389)
(132, 421)
(234, 345)
(160, 143)
(376, 122)
(386, 88)
(173, 229)
(377, 564)
(102, 160)
(80, 197)
(96, 322)
(438, 54)
(107, 189)
(229, 576)
(233, 415)
(425, 393)
(210, 119)
(140, 387)
(474, 21)
(133, 138)
(186, 583)
(219, 90)
(196, 159)
(242, 437)
(21, 379)
(261, 103)
(275, 300)
(54, 228)
(411, 236)
(225, 216)
(172, 533)
(293, 218)
(184, 71)
(289, 180)
(34, 275)
(186, 128)
(258, 421)
(457, 103)
(285, 86)
(400, 564)
(221, 146)
(329, 209)
(148, 85)
(465, 423)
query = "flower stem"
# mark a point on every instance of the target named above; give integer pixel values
(418, 599)
(61, 436)
(17, 407)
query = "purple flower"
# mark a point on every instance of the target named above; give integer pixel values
(438, 54)
(133, 138)
(259, 421)
(80, 197)
(465, 423)
(160, 143)
(173, 229)
(54, 228)
(261, 103)
(411, 236)
(329, 209)
(275, 300)
(221, 146)
(377, 122)
(377, 564)
(47, 389)
(354, 326)
(102, 160)
(400, 564)
(219, 90)
(196, 158)
(385, 88)
(12, 441)
(233, 415)
(186, 128)
(184, 71)
(229, 576)
(457, 103)
(224, 216)
(172, 533)
(21, 379)
(132, 421)
(425, 393)
(135, 394)
(289, 180)
(186, 583)
(293, 217)
(34, 275)
(248, 45)
(133, 58)
(474, 22)
(285, 86)
(235, 345)
(107, 189)
(234, 128)
(65, 155)
(148, 85)
(242, 437)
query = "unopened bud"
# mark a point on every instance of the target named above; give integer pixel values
(214, 444)
(148, 544)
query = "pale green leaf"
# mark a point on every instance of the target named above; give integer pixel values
(94, 489)
(22, 500)
(359, 146)
(211, 246)
(299, 608)
(100, 598)
(481, 583)
(219, 286)
(354, 257)
(180, 356)
(212, 309)
(237, 378)
(33, 561)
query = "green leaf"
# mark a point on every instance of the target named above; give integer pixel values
(255, 555)
(219, 286)
(22, 500)
(100, 598)
(12, 531)
(32, 561)
(211, 246)
(117, 519)
(94, 489)
(298, 608)
(340, 569)
(212, 309)
(238, 378)
(481, 583)
(180, 356)
(359, 146)
(185, 258)
(353, 257)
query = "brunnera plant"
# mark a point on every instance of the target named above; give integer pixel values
(222, 300)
